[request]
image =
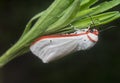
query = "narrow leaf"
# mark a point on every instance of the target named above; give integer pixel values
(105, 6)
(88, 4)
(85, 12)
(29, 24)
(66, 18)
(83, 2)
(97, 19)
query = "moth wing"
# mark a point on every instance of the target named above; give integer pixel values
(38, 46)
(52, 49)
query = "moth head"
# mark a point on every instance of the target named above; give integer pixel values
(93, 31)
(92, 34)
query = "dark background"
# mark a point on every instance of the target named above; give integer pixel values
(101, 64)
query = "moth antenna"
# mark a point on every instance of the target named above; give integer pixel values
(107, 28)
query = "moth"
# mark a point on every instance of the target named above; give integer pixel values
(53, 47)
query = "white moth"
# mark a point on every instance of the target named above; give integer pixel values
(53, 47)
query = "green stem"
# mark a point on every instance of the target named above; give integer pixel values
(19, 48)
(8, 55)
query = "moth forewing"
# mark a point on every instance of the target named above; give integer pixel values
(53, 47)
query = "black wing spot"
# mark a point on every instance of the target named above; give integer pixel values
(50, 41)
(84, 39)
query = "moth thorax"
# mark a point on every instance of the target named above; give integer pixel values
(92, 37)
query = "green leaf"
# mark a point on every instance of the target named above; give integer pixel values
(84, 2)
(105, 6)
(83, 13)
(97, 19)
(87, 4)
(51, 15)
(66, 18)
(29, 24)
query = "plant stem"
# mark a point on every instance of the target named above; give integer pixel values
(8, 55)
(14, 51)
